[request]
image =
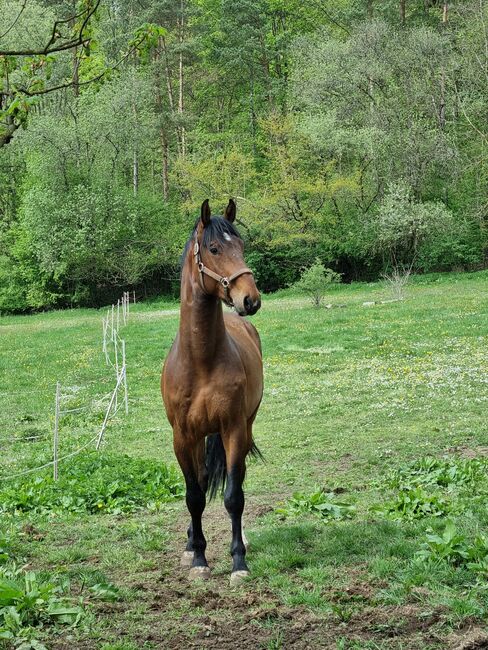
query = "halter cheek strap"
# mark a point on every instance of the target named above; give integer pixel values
(221, 279)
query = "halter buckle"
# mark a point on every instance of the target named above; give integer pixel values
(224, 282)
(200, 267)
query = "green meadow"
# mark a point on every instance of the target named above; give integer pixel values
(367, 521)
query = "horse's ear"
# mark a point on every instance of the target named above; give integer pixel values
(205, 214)
(230, 211)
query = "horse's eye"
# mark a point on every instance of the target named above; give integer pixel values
(214, 250)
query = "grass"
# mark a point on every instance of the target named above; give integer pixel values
(379, 407)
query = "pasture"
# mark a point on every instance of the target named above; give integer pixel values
(374, 417)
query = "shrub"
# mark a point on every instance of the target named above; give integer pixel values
(314, 281)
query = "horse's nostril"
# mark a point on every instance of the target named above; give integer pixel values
(247, 303)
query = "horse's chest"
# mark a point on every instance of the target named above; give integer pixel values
(206, 405)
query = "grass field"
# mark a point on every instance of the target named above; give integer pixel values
(374, 417)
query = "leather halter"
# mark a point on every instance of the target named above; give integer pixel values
(221, 279)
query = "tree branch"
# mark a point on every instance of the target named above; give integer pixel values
(15, 21)
(51, 46)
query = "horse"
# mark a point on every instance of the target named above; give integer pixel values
(212, 380)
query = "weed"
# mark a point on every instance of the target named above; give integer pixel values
(94, 484)
(28, 602)
(449, 473)
(320, 504)
(414, 504)
(453, 547)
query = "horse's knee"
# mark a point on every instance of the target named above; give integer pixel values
(203, 480)
(195, 498)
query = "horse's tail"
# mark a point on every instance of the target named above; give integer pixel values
(216, 463)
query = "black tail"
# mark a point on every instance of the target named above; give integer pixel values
(216, 463)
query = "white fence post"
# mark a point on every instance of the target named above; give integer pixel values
(56, 432)
(113, 323)
(116, 345)
(124, 370)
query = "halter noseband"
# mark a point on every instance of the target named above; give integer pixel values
(223, 280)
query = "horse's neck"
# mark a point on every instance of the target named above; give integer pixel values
(202, 328)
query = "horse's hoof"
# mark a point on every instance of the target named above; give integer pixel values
(199, 573)
(237, 577)
(186, 559)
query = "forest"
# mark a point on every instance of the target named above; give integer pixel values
(355, 131)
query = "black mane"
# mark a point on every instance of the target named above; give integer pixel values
(214, 232)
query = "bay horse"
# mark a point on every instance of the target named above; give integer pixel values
(212, 380)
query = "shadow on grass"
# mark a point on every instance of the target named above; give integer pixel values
(284, 546)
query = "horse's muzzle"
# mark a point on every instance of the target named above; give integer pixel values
(251, 306)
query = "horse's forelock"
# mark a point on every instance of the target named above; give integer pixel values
(216, 231)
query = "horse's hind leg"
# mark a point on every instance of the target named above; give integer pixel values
(195, 501)
(236, 448)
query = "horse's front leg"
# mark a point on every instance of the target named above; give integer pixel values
(195, 501)
(236, 448)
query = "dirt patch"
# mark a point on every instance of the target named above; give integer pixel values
(469, 452)
(474, 639)
(165, 610)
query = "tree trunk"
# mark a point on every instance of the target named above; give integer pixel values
(181, 23)
(444, 13)
(403, 18)
(76, 73)
(165, 170)
(162, 131)
(442, 103)
(135, 172)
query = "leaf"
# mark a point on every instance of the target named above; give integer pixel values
(9, 592)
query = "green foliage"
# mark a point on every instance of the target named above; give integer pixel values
(415, 503)
(449, 473)
(28, 601)
(314, 281)
(319, 504)
(426, 234)
(94, 484)
(453, 547)
(433, 487)
(342, 133)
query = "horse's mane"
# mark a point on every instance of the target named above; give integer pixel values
(214, 232)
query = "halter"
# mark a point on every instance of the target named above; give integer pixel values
(223, 280)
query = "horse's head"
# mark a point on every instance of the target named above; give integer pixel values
(218, 254)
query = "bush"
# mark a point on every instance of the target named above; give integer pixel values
(426, 235)
(314, 281)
